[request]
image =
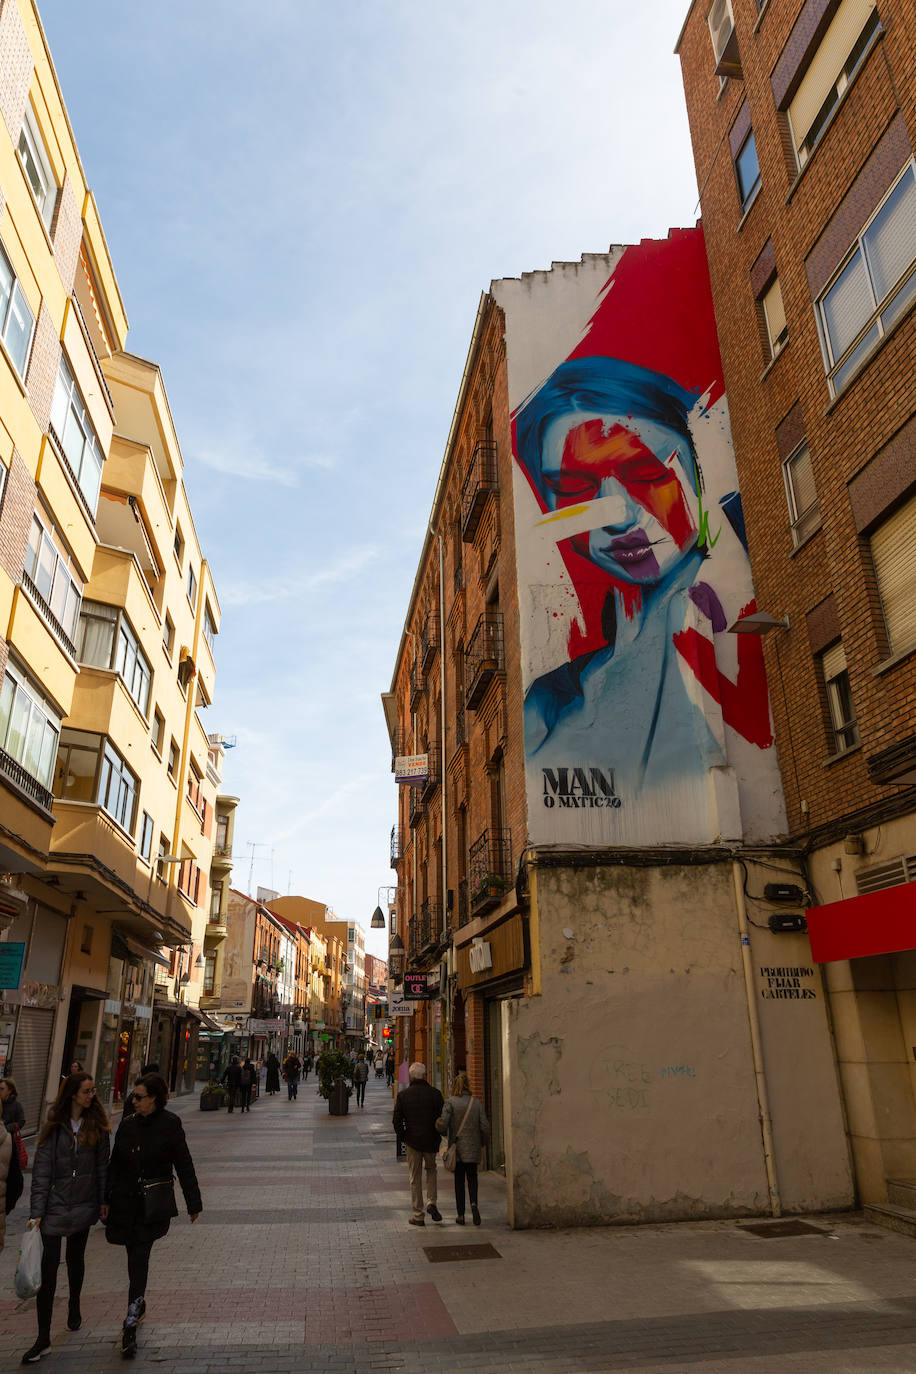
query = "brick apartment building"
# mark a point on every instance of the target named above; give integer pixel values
(590, 810)
(803, 119)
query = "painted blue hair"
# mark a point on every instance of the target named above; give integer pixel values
(606, 386)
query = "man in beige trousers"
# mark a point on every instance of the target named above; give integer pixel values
(416, 1110)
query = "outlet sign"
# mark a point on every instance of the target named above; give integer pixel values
(416, 985)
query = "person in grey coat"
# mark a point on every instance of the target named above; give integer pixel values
(464, 1124)
(68, 1195)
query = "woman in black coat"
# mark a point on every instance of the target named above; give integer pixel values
(68, 1195)
(273, 1073)
(148, 1146)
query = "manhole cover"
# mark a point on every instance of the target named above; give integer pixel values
(446, 1254)
(767, 1229)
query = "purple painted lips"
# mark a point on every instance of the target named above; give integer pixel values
(633, 549)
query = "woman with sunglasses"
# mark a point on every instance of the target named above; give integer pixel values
(68, 1195)
(140, 1193)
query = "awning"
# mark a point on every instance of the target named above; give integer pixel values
(142, 952)
(878, 923)
(209, 1024)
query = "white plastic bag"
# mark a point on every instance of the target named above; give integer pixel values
(28, 1271)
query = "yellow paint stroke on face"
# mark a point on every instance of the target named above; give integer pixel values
(566, 513)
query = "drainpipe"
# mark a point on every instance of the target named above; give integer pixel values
(763, 1101)
(446, 1021)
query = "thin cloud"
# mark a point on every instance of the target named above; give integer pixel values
(255, 466)
(259, 593)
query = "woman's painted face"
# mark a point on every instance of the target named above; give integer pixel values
(638, 474)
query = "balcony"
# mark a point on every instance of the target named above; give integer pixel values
(490, 870)
(24, 782)
(400, 746)
(222, 857)
(395, 846)
(417, 683)
(52, 620)
(484, 657)
(417, 808)
(429, 640)
(480, 480)
(434, 775)
(430, 921)
(464, 911)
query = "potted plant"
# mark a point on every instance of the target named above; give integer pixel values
(335, 1079)
(212, 1096)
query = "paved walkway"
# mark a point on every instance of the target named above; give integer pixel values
(303, 1261)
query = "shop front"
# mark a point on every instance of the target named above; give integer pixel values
(124, 1035)
(28, 1014)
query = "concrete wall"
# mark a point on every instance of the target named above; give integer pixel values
(630, 1080)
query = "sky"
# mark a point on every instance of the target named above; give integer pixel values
(303, 202)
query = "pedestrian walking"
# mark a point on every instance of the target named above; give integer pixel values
(273, 1074)
(232, 1080)
(141, 1191)
(8, 1162)
(416, 1111)
(129, 1101)
(389, 1068)
(68, 1196)
(308, 1063)
(292, 1067)
(12, 1108)
(247, 1077)
(360, 1079)
(464, 1124)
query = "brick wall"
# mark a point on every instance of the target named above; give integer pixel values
(767, 402)
(67, 233)
(15, 68)
(16, 512)
(43, 363)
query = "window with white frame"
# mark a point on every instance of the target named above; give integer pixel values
(17, 323)
(90, 769)
(775, 316)
(874, 286)
(107, 640)
(893, 551)
(29, 725)
(75, 433)
(210, 630)
(801, 494)
(118, 788)
(145, 845)
(209, 970)
(34, 157)
(168, 635)
(192, 584)
(50, 575)
(833, 67)
(839, 698)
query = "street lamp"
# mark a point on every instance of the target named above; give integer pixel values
(378, 921)
(396, 957)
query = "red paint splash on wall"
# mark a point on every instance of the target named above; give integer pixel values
(744, 703)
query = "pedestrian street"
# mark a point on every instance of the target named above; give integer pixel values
(303, 1260)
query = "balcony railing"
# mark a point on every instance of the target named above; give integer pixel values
(431, 920)
(395, 846)
(480, 480)
(484, 657)
(464, 911)
(24, 781)
(490, 872)
(416, 808)
(48, 615)
(429, 641)
(434, 774)
(400, 745)
(417, 683)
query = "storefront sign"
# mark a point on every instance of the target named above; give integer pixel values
(411, 770)
(12, 958)
(416, 985)
(259, 1027)
(399, 1005)
(501, 953)
(39, 995)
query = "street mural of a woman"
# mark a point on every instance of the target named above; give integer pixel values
(644, 723)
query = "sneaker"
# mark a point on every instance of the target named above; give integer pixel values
(136, 1311)
(417, 1221)
(475, 1214)
(74, 1316)
(128, 1341)
(459, 1221)
(41, 1347)
(434, 1212)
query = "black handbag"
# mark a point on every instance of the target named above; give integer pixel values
(158, 1199)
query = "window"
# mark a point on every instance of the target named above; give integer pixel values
(833, 67)
(721, 27)
(874, 285)
(216, 898)
(189, 879)
(775, 317)
(209, 971)
(117, 788)
(71, 424)
(77, 764)
(839, 698)
(161, 854)
(17, 322)
(173, 760)
(893, 551)
(210, 630)
(107, 640)
(801, 494)
(158, 734)
(747, 170)
(222, 833)
(29, 726)
(50, 576)
(34, 157)
(178, 544)
(145, 847)
(192, 584)
(168, 635)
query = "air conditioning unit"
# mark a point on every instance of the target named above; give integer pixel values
(724, 40)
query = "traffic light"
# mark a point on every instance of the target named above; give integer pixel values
(386, 1033)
